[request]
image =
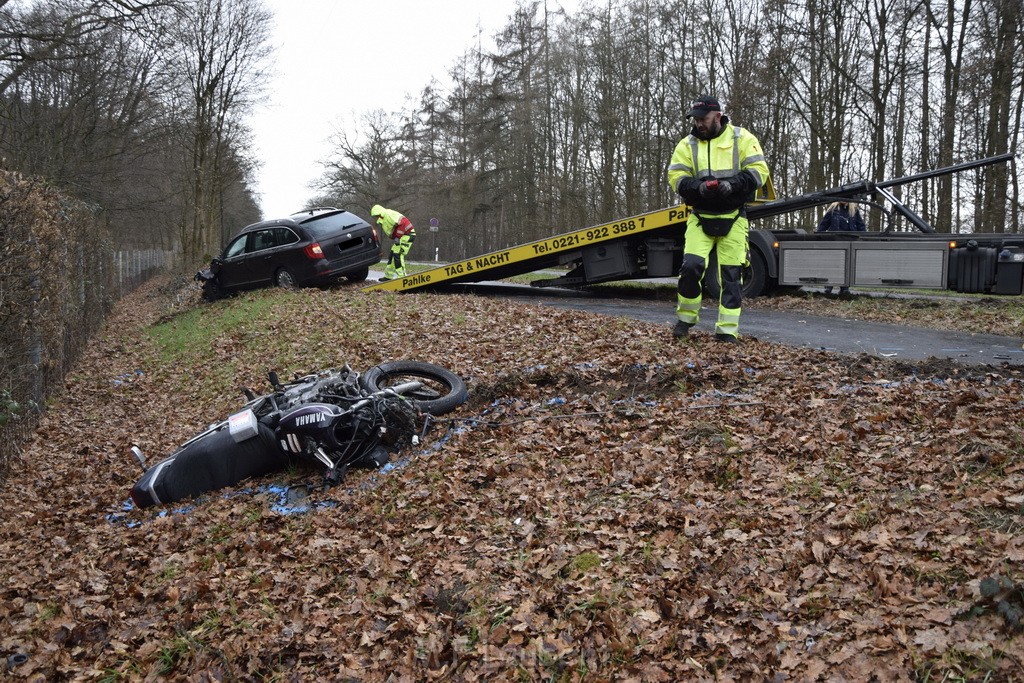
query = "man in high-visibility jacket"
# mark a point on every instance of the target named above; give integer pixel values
(401, 231)
(716, 170)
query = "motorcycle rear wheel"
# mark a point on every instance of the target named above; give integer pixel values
(442, 392)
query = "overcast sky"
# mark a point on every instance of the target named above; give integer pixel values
(338, 58)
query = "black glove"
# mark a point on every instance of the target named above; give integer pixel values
(708, 188)
(725, 188)
(688, 186)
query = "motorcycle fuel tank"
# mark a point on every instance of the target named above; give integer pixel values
(314, 421)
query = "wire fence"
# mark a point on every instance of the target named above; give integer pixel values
(59, 277)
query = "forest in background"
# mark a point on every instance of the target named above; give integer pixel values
(571, 120)
(122, 125)
(139, 108)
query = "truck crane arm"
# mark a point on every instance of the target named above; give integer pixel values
(863, 188)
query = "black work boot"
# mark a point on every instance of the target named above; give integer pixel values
(681, 330)
(728, 338)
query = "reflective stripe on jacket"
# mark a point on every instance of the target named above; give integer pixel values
(731, 152)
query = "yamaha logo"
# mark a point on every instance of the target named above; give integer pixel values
(309, 419)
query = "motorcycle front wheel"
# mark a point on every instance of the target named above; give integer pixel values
(443, 391)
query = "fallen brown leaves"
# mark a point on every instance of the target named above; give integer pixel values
(609, 505)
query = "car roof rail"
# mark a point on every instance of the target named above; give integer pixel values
(311, 210)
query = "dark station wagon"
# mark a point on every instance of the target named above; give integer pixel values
(314, 247)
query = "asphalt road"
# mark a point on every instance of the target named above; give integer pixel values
(833, 334)
(802, 330)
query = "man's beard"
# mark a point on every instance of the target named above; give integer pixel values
(711, 133)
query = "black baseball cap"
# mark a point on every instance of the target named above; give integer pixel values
(704, 104)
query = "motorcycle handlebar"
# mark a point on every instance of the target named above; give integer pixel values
(396, 390)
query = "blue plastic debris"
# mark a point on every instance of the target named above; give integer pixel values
(126, 377)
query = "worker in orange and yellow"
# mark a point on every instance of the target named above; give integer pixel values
(402, 233)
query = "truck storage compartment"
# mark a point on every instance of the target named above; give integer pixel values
(609, 261)
(1009, 271)
(900, 264)
(661, 257)
(972, 269)
(813, 263)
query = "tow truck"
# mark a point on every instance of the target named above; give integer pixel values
(649, 245)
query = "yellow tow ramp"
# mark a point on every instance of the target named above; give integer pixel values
(545, 253)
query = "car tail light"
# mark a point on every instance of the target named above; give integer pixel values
(314, 251)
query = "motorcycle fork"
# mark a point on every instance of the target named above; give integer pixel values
(335, 471)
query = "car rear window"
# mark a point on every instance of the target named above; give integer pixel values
(325, 226)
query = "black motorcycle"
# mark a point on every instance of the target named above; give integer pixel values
(337, 419)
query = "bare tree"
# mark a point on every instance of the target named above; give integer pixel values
(1001, 28)
(374, 170)
(571, 119)
(221, 51)
(952, 32)
(84, 117)
(27, 41)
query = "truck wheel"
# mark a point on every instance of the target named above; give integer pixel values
(754, 277)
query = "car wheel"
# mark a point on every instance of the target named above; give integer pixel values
(358, 275)
(284, 279)
(212, 290)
